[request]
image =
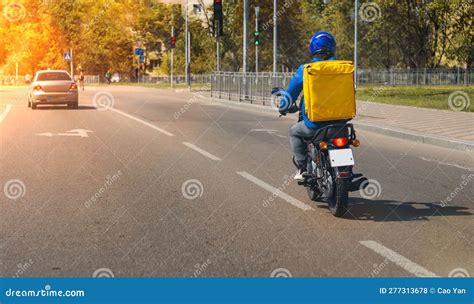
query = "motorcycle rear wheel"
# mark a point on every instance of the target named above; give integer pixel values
(340, 198)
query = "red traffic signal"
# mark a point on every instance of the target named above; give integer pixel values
(173, 42)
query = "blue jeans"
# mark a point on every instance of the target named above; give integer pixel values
(298, 132)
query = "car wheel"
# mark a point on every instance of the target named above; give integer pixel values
(75, 105)
(29, 104)
(33, 106)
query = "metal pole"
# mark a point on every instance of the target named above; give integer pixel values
(218, 54)
(275, 34)
(172, 57)
(257, 11)
(186, 44)
(356, 18)
(246, 19)
(189, 59)
(72, 65)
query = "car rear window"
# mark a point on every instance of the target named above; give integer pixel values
(52, 76)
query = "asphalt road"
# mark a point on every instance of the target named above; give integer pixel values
(165, 183)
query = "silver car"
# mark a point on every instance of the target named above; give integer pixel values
(53, 87)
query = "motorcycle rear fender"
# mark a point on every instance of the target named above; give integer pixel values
(344, 172)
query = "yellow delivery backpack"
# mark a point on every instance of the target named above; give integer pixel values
(328, 88)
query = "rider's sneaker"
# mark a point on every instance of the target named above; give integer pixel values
(299, 175)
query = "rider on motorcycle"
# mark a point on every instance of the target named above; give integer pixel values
(322, 47)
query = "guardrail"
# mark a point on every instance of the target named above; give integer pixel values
(256, 88)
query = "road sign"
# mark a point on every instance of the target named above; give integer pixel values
(139, 52)
(75, 132)
(67, 56)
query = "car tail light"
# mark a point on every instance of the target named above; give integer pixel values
(73, 87)
(38, 88)
(340, 142)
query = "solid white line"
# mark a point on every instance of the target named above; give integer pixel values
(142, 122)
(8, 107)
(203, 152)
(398, 259)
(275, 191)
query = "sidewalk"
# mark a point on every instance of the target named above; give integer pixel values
(438, 127)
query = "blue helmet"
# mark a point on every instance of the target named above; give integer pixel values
(322, 45)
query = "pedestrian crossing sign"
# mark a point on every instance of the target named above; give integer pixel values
(67, 56)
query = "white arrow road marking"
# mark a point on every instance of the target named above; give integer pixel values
(398, 259)
(8, 107)
(269, 131)
(203, 152)
(75, 132)
(275, 191)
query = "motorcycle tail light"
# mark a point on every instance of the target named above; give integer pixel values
(340, 141)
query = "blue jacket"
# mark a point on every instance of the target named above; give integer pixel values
(294, 90)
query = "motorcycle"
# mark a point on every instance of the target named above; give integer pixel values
(329, 177)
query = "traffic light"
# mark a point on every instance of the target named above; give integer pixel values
(173, 42)
(218, 20)
(257, 38)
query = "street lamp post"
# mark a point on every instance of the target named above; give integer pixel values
(356, 38)
(257, 12)
(186, 43)
(275, 34)
(246, 19)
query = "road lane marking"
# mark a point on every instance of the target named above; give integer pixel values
(8, 107)
(142, 122)
(203, 152)
(398, 259)
(446, 164)
(275, 191)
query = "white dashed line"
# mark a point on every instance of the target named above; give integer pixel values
(4, 114)
(446, 164)
(275, 191)
(142, 122)
(398, 259)
(203, 152)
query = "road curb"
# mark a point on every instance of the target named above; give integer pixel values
(434, 140)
